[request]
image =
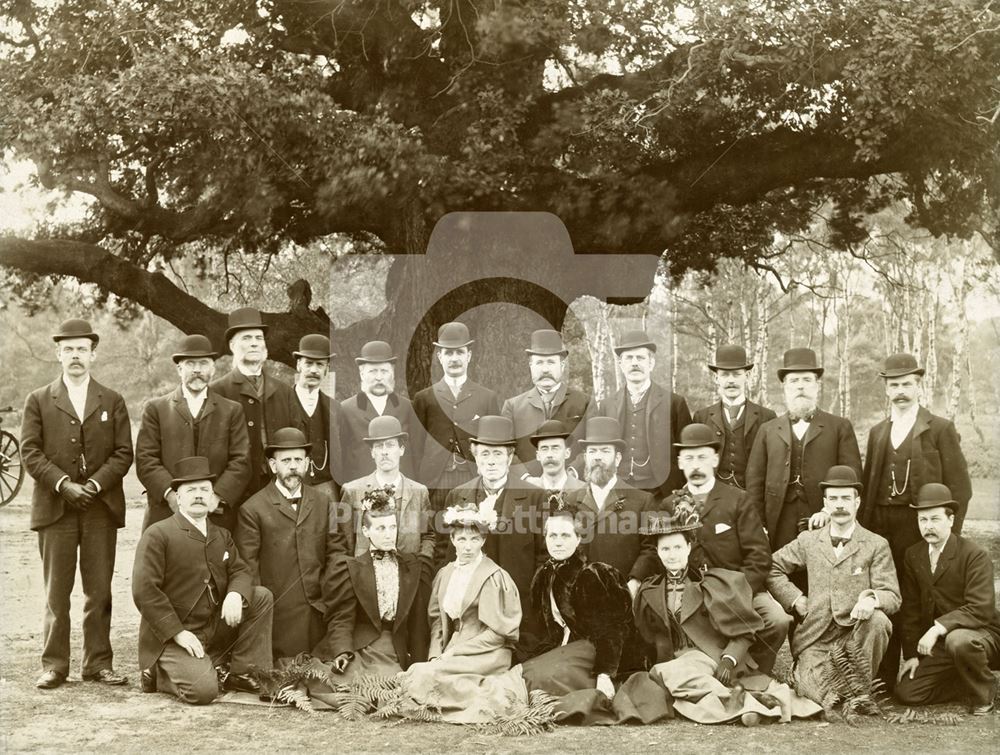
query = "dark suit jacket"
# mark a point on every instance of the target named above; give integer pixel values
(284, 548)
(354, 622)
(174, 564)
(936, 456)
(613, 534)
(732, 536)
(277, 409)
(570, 407)
(960, 595)
(356, 413)
(166, 436)
(830, 440)
(754, 415)
(666, 415)
(53, 439)
(439, 411)
(326, 454)
(515, 545)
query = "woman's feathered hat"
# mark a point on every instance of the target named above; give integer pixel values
(470, 515)
(682, 516)
(379, 501)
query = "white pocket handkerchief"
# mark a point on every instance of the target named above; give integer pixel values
(104, 416)
(476, 417)
(225, 556)
(856, 572)
(722, 527)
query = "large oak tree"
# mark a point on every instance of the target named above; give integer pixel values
(692, 129)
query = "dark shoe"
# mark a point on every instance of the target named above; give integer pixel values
(106, 676)
(50, 680)
(242, 683)
(147, 680)
(986, 708)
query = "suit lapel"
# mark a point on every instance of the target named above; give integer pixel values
(849, 549)
(751, 413)
(483, 572)
(362, 572)
(945, 559)
(587, 498)
(880, 433)
(180, 405)
(654, 399)
(208, 406)
(94, 395)
(409, 577)
(277, 499)
(785, 429)
(815, 428)
(715, 416)
(691, 601)
(714, 496)
(306, 504)
(614, 495)
(922, 424)
(245, 386)
(60, 397)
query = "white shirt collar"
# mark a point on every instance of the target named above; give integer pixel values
(396, 482)
(379, 402)
(497, 486)
(201, 524)
(704, 489)
(940, 548)
(849, 534)
(455, 383)
(601, 494)
(738, 402)
(243, 370)
(640, 390)
(286, 492)
(553, 392)
(559, 484)
(189, 396)
(82, 388)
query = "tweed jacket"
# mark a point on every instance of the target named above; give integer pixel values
(864, 567)
(960, 594)
(55, 443)
(174, 566)
(935, 456)
(829, 441)
(167, 435)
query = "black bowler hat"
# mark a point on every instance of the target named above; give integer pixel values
(901, 364)
(697, 435)
(246, 318)
(603, 431)
(934, 494)
(494, 430)
(287, 438)
(634, 339)
(546, 343)
(799, 360)
(75, 329)
(194, 347)
(453, 335)
(730, 356)
(191, 469)
(841, 476)
(375, 352)
(550, 428)
(314, 346)
(385, 427)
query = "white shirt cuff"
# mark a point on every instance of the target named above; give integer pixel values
(60, 481)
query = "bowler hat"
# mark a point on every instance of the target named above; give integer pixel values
(546, 343)
(75, 329)
(841, 476)
(194, 347)
(286, 438)
(453, 335)
(634, 339)
(191, 469)
(246, 318)
(799, 360)
(898, 365)
(385, 427)
(603, 431)
(494, 430)
(314, 346)
(697, 435)
(550, 428)
(730, 356)
(934, 494)
(375, 352)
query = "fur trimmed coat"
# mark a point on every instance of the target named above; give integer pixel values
(593, 600)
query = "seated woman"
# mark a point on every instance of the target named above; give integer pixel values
(702, 623)
(584, 612)
(474, 613)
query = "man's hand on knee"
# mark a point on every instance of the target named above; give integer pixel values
(232, 609)
(190, 642)
(909, 666)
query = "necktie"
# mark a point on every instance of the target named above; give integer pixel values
(255, 381)
(378, 555)
(935, 555)
(837, 541)
(803, 418)
(732, 412)
(295, 502)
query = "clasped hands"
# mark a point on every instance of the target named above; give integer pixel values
(76, 495)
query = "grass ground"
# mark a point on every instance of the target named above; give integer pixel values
(82, 716)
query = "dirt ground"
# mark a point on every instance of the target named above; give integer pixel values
(82, 716)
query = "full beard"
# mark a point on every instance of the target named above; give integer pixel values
(599, 473)
(801, 405)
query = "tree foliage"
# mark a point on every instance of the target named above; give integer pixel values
(698, 129)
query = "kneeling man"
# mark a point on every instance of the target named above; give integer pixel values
(196, 599)
(852, 590)
(951, 635)
(377, 625)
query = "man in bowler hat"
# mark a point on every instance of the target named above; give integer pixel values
(316, 415)
(76, 443)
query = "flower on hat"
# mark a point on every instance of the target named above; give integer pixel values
(379, 500)
(470, 515)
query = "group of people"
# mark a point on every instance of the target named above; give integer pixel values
(622, 556)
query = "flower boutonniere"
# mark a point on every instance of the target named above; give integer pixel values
(619, 504)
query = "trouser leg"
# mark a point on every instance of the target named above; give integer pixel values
(249, 644)
(873, 637)
(98, 538)
(191, 679)
(57, 545)
(770, 639)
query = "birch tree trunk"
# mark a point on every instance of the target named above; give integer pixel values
(960, 288)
